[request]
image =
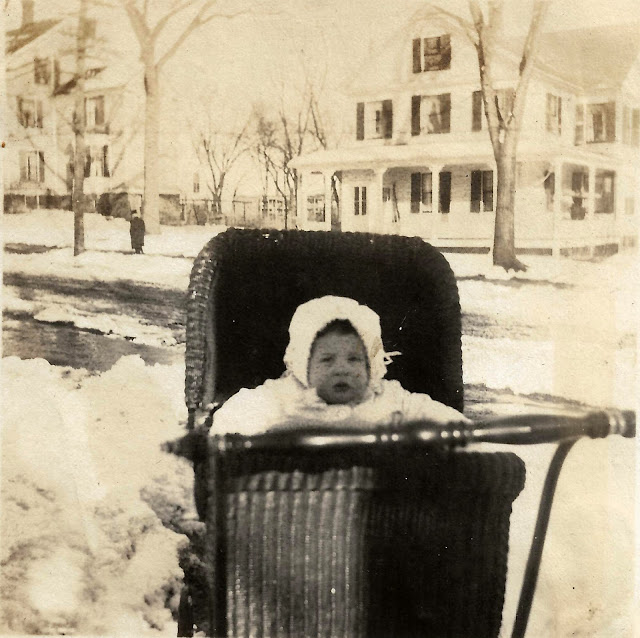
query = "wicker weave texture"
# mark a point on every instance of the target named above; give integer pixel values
(355, 552)
(251, 282)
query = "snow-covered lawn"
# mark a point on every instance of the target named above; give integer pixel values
(83, 478)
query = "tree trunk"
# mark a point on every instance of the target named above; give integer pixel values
(151, 205)
(80, 128)
(504, 253)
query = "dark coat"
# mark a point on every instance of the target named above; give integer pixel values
(136, 230)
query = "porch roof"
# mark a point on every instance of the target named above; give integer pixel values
(370, 157)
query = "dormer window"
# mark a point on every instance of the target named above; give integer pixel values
(431, 54)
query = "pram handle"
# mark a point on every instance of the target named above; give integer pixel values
(523, 429)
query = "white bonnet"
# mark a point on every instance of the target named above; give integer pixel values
(311, 317)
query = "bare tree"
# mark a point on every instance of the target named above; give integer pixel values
(79, 128)
(504, 118)
(148, 34)
(220, 151)
(296, 126)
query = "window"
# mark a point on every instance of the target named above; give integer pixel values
(422, 192)
(550, 189)
(601, 122)
(315, 208)
(554, 114)
(32, 166)
(430, 114)
(30, 112)
(96, 161)
(374, 120)
(579, 191)
(605, 187)
(41, 70)
(94, 111)
(481, 191)
(196, 182)
(360, 200)
(505, 98)
(431, 54)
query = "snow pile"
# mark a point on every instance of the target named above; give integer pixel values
(82, 552)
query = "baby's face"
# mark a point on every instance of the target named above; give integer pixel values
(338, 368)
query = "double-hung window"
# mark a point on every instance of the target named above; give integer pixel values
(422, 192)
(481, 191)
(431, 114)
(30, 112)
(32, 166)
(554, 114)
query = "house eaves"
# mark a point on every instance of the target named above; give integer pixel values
(19, 38)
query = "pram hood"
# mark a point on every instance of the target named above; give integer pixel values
(311, 317)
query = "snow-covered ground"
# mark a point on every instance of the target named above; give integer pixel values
(84, 481)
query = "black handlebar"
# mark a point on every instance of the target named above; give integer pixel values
(514, 430)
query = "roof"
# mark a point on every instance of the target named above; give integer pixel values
(593, 57)
(443, 152)
(17, 38)
(597, 57)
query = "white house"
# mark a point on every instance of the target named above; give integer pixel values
(40, 105)
(420, 161)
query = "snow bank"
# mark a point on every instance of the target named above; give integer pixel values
(82, 551)
(54, 228)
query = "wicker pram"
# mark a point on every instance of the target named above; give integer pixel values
(347, 541)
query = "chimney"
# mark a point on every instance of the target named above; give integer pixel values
(27, 12)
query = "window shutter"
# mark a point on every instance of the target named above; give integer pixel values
(356, 200)
(476, 111)
(417, 67)
(415, 114)
(487, 189)
(559, 115)
(610, 119)
(476, 190)
(445, 113)
(99, 111)
(38, 113)
(87, 163)
(635, 127)
(360, 121)
(416, 192)
(40, 166)
(445, 192)
(23, 166)
(445, 48)
(363, 206)
(387, 118)
(105, 159)
(20, 112)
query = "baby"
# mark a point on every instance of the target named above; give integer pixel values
(335, 368)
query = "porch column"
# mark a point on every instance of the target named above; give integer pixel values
(376, 214)
(591, 198)
(557, 209)
(301, 211)
(435, 200)
(327, 175)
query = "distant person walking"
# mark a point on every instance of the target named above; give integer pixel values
(136, 230)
